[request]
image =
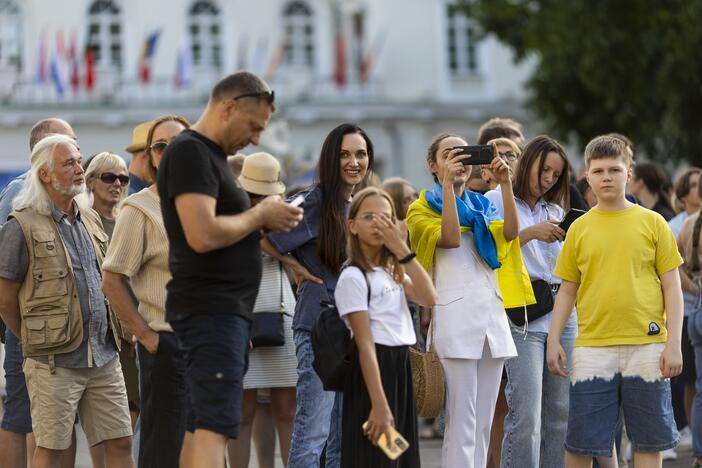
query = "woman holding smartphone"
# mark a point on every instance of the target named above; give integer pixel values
(316, 244)
(380, 385)
(461, 238)
(535, 425)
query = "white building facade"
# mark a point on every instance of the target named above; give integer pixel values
(402, 69)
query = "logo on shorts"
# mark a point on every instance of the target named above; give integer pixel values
(653, 328)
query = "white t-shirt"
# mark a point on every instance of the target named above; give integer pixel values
(390, 319)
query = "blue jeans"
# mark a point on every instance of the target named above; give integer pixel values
(694, 330)
(318, 413)
(17, 417)
(535, 425)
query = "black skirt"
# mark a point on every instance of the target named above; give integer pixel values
(396, 376)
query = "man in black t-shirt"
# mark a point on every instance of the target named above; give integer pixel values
(215, 258)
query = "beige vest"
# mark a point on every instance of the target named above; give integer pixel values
(52, 322)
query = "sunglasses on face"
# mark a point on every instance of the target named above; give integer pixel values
(268, 96)
(110, 178)
(158, 147)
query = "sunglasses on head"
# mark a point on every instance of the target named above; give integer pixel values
(109, 178)
(158, 147)
(268, 96)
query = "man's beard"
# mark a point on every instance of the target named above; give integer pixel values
(70, 191)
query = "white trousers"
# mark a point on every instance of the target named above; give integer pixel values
(472, 386)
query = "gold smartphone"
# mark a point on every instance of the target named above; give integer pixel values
(397, 446)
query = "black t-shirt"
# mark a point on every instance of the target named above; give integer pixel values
(223, 281)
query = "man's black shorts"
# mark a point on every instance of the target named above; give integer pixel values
(215, 347)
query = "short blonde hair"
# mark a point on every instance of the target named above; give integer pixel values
(607, 146)
(506, 142)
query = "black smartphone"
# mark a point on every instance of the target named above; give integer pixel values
(477, 154)
(571, 216)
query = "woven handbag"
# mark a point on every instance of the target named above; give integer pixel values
(428, 380)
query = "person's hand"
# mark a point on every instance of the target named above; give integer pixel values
(547, 231)
(379, 421)
(149, 340)
(277, 215)
(393, 237)
(498, 169)
(300, 273)
(452, 167)
(556, 358)
(671, 362)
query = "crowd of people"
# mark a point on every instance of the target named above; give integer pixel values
(168, 305)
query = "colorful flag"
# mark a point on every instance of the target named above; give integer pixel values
(276, 60)
(74, 77)
(89, 69)
(340, 60)
(40, 76)
(184, 65)
(147, 54)
(57, 73)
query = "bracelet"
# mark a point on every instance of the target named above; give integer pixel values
(407, 259)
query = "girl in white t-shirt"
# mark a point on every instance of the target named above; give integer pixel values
(380, 385)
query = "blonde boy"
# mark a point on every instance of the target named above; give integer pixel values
(620, 262)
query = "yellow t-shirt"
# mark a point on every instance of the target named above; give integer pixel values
(617, 258)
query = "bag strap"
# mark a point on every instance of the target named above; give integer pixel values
(282, 300)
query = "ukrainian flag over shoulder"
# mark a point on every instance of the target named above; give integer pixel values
(476, 213)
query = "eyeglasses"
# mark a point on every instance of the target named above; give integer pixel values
(268, 96)
(369, 217)
(110, 178)
(158, 147)
(508, 156)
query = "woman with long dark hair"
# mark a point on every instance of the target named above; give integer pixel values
(648, 184)
(317, 244)
(535, 425)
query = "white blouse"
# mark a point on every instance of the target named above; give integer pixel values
(470, 309)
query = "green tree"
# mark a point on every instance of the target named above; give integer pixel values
(628, 66)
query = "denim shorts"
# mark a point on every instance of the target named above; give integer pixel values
(215, 348)
(603, 380)
(17, 417)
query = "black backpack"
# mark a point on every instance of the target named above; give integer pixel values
(332, 345)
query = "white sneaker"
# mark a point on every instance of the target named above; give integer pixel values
(628, 453)
(685, 437)
(669, 454)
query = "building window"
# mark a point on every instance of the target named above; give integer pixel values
(204, 28)
(10, 37)
(105, 34)
(463, 38)
(298, 21)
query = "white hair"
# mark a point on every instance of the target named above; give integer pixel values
(34, 195)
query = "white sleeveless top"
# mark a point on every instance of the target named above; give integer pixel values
(470, 309)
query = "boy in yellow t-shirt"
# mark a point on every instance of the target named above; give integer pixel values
(620, 261)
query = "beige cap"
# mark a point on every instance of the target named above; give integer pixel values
(260, 175)
(139, 135)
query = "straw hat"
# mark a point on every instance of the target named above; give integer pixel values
(260, 175)
(139, 135)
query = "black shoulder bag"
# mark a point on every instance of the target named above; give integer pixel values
(268, 328)
(332, 345)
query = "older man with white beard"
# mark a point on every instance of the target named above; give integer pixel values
(51, 250)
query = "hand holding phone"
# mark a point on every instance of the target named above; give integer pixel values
(393, 448)
(297, 201)
(476, 154)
